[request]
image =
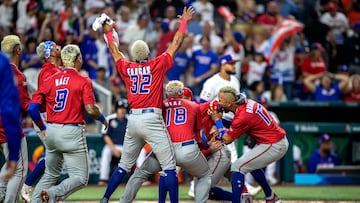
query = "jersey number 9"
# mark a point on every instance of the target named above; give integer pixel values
(60, 99)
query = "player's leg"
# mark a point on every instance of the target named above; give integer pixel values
(76, 161)
(156, 135)
(191, 160)
(149, 167)
(105, 163)
(219, 163)
(257, 158)
(132, 147)
(2, 173)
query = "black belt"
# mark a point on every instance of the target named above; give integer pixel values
(190, 142)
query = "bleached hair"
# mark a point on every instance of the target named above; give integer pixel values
(9, 43)
(233, 91)
(174, 88)
(40, 50)
(69, 54)
(139, 51)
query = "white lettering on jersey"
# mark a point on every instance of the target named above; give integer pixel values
(173, 103)
(250, 106)
(139, 71)
(62, 81)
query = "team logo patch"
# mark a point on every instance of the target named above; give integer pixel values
(113, 123)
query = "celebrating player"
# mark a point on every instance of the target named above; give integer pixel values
(50, 52)
(67, 94)
(183, 121)
(144, 80)
(11, 45)
(253, 119)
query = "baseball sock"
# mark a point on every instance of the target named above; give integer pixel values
(114, 181)
(172, 185)
(162, 189)
(36, 173)
(237, 184)
(217, 193)
(259, 176)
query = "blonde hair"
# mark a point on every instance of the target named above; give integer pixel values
(174, 88)
(69, 54)
(239, 98)
(9, 43)
(139, 51)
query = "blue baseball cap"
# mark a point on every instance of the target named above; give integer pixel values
(262, 100)
(324, 138)
(225, 59)
(239, 36)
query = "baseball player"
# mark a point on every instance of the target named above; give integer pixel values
(9, 109)
(9, 191)
(183, 121)
(144, 80)
(253, 119)
(50, 52)
(67, 95)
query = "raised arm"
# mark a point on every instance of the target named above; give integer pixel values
(309, 81)
(112, 44)
(179, 36)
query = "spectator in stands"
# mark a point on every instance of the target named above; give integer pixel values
(330, 88)
(28, 26)
(31, 62)
(339, 25)
(323, 157)
(123, 20)
(135, 32)
(275, 94)
(89, 51)
(206, 8)
(49, 28)
(353, 94)
(195, 26)
(287, 8)
(257, 68)
(204, 65)
(256, 89)
(157, 7)
(6, 15)
(352, 49)
(165, 37)
(210, 33)
(271, 18)
(352, 10)
(314, 63)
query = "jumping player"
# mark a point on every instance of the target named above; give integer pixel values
(68, 94)
(183, 121)
(253, 119)
(9, 109)
(9, 191)
(50, 52)
(144, 80)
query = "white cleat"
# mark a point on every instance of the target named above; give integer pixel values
(191, 192)
(25, 193)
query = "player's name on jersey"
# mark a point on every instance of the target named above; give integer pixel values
(139, 70)
(172, 103)
(62, 81)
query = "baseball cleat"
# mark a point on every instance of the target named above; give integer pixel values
(25, 193)
(273, 199)
(104, 200)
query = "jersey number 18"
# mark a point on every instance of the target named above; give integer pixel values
(179, 116)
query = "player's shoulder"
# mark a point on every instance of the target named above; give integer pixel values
(212, 81)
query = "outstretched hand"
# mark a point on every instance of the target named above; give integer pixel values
(187, 14)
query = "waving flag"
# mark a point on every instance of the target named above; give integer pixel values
(285, 29)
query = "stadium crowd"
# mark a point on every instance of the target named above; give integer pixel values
(320, 62)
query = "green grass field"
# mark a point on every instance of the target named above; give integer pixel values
(289, 192)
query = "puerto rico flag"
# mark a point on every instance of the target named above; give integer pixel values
(285, 29)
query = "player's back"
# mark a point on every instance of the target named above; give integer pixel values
(206, 121)
(67, 92)
(258, 122)
(144, 81)
(182, 119)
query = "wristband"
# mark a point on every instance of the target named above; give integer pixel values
(183, 26)
(110, 37)
(101, 118)
(43, 127)
(220, 127)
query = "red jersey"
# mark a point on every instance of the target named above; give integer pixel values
(48, 69)
(24, 97)
(144, 81)
(253, 119)
(313, 67)
(66, 93)
(353, 96)
(182, 119)
(206, 123)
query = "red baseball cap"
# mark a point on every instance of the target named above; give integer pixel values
(332, 6)
(187, 92)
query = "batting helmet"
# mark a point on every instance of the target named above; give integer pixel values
(122, 103)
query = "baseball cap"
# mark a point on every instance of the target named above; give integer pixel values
(332, 6)
(300, 50)
(261, 99)
(324, 138)
(122, 103)
(225, 59)
(187, 92)
(317, 46)
(32, 5)
(238, 36)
